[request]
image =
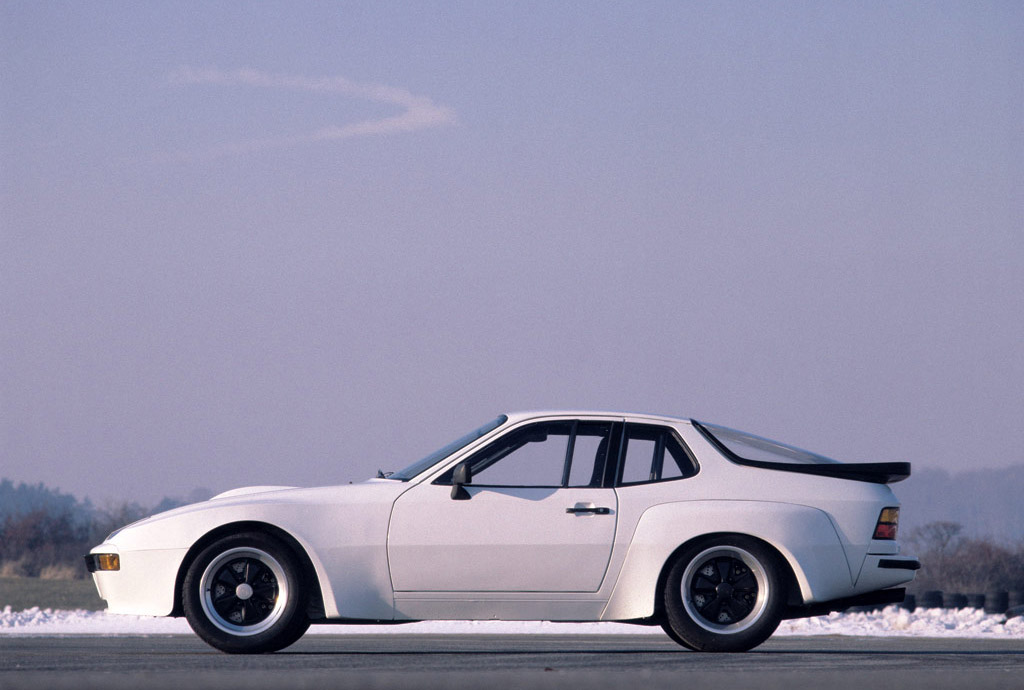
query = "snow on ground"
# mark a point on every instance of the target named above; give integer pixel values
(892, 621)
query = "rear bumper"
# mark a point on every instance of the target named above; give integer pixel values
(882, 571)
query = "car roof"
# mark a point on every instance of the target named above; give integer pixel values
(522, 416)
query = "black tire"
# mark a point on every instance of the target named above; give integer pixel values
(724, 594)
(246, 594)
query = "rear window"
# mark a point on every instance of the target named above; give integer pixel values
(758, 449)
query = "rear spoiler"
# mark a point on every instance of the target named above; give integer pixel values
(874, 472)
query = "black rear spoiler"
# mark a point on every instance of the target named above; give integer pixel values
(874, 472)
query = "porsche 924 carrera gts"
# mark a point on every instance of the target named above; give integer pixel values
(714, 534)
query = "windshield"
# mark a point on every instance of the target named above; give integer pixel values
(456, 445)
(749, 447)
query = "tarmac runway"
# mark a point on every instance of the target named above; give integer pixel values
(492, 662)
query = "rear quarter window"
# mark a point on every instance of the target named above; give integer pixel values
(653, 454)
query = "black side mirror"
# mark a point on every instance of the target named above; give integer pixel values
(462, 475)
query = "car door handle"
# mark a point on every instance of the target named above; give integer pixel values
(576, 510)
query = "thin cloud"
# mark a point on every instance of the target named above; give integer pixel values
(416, 112)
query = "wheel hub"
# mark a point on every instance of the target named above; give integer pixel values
(244, 591)
(724, 589)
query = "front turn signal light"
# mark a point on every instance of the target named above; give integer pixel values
(888, 524)
(102, 561)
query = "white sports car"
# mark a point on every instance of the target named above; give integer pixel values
(714, 534)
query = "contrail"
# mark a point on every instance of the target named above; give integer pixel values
(417, 112)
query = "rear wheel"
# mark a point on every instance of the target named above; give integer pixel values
(724, 594)
(245, 594)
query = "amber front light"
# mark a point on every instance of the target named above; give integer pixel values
(102, 561)
(888, 524)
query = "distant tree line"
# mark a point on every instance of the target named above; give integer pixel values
(952, 562)
(45, 533)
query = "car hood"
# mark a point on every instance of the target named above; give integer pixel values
(248, 490)
(229, 502)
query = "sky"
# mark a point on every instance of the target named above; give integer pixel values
(292, 243)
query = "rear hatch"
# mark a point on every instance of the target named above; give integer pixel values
(755, 451)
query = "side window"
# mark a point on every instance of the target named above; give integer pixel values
(548, 454)
(677, 463)
(531, 456)
(638, 461)
(652, 454)
(589, 454)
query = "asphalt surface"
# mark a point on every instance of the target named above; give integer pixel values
(454, 662)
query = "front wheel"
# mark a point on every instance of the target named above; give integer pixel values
(245, 594)
(725, 594)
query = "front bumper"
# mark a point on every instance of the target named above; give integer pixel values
(145, 583)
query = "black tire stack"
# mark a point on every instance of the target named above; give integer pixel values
(992, 601)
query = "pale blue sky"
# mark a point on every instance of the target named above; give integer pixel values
(291, 243)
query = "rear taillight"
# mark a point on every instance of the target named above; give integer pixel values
(888, 524)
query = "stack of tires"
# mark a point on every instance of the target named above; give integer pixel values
(996, 602)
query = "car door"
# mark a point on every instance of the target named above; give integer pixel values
(535, 516)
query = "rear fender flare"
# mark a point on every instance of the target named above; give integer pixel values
(805, 538)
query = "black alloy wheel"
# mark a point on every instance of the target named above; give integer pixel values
(724, 594)
(246, 594)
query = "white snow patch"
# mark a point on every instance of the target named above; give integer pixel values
(892, 621)
(898, 622)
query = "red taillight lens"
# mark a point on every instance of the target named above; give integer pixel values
(888, 524)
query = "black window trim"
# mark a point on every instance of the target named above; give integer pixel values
(614, 460)
(570, 450)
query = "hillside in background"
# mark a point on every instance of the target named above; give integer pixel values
(44, 533)
(974, 517)
(28, 498)
(21, 499)
(988, 503)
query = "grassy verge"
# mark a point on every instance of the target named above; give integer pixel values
(22, 593)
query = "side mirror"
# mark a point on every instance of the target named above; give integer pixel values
(462, 475)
